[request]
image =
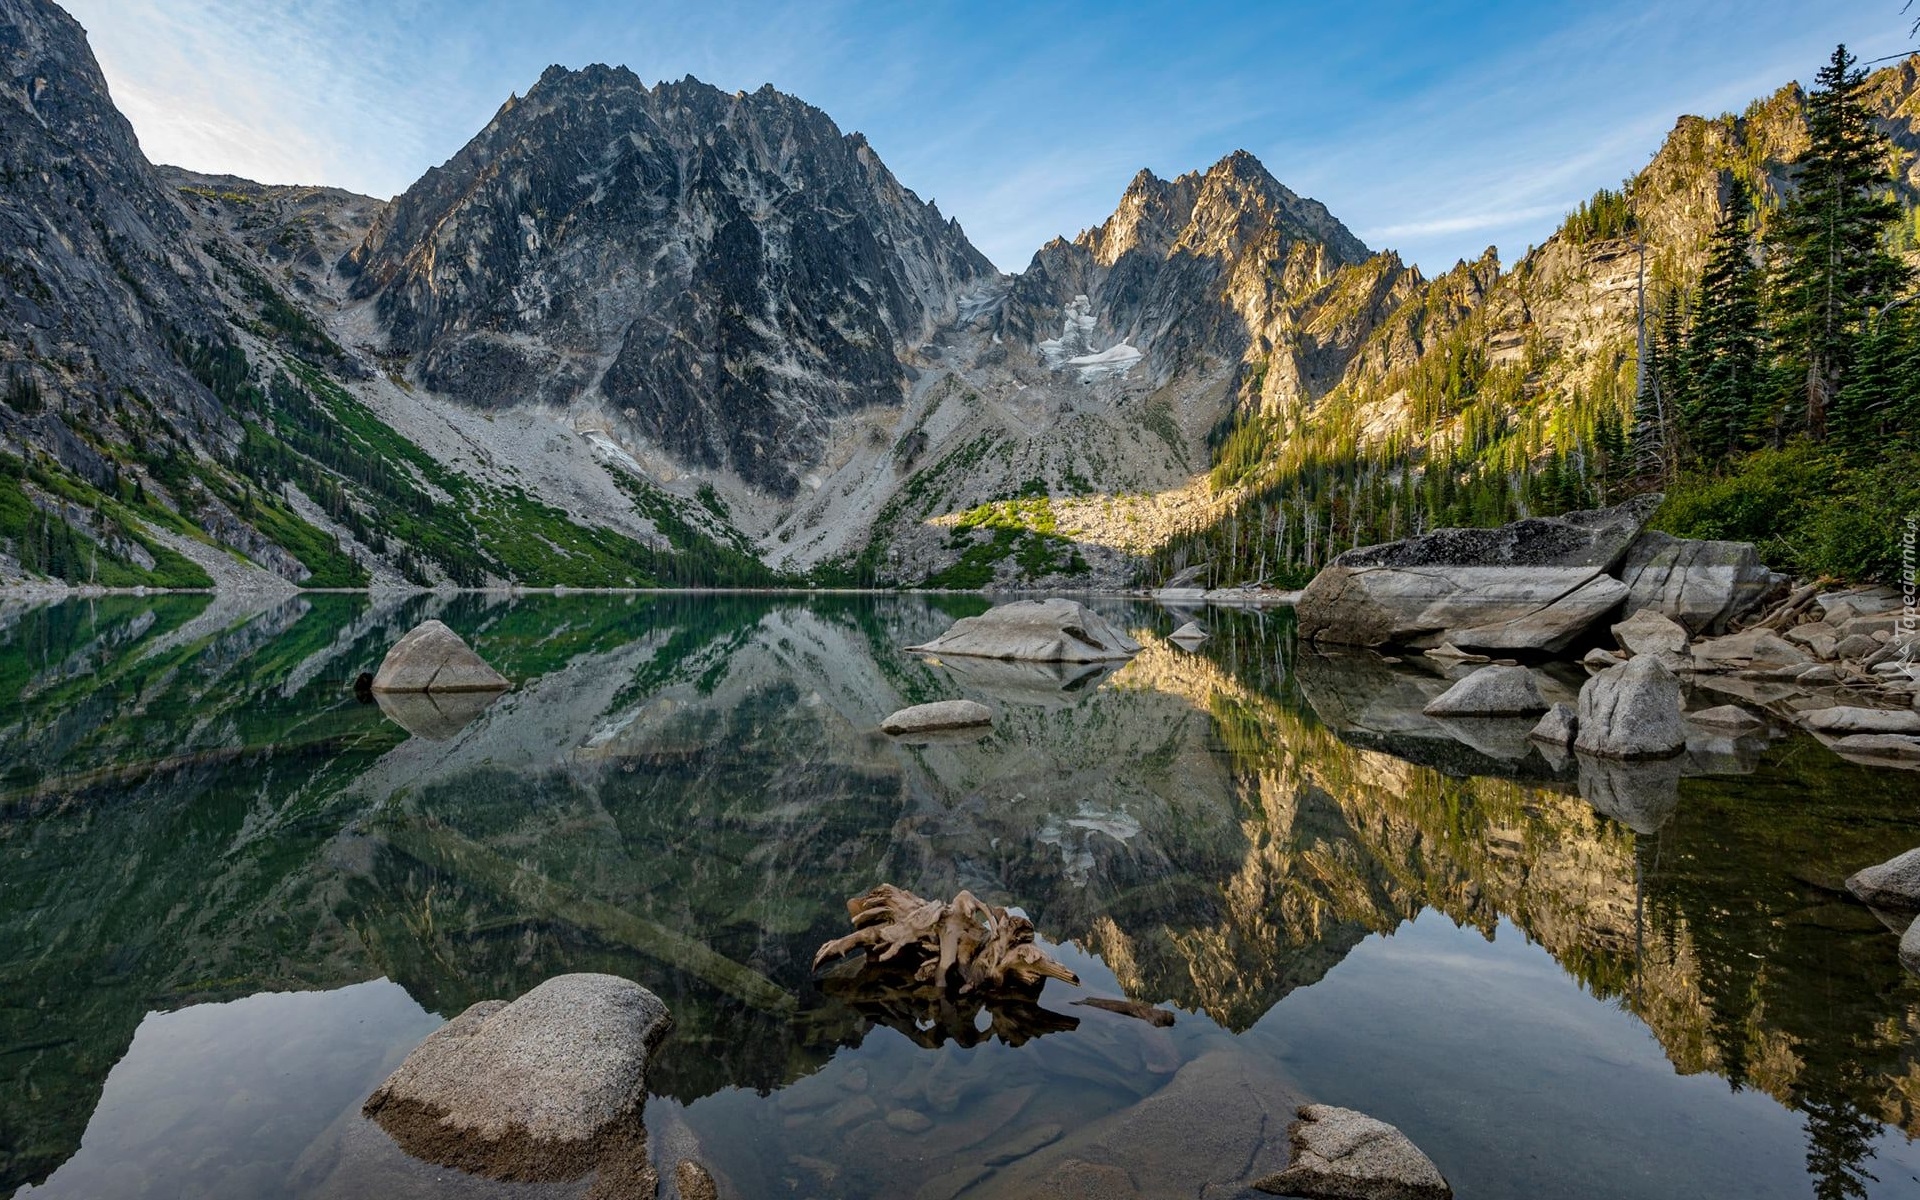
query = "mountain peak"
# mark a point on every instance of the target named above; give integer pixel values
(1216, 212)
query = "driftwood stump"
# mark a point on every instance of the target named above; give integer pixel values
(964, 947)
(931, 967)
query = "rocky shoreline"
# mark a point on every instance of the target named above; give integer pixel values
(1843, 664)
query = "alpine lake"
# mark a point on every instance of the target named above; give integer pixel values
(233, 897)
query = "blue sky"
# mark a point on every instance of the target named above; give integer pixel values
(1435, 128)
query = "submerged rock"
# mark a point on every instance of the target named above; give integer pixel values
(1191, 634)
(1534, 585)
(1894, 884)
(1340, 1154)
(433, 658)
(1632, 711)
(1703, 585)
(1057, 630)
(1490, 692)
(546, 1088)
(693, 1182)
(941, 714)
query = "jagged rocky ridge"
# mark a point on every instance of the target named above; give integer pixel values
(734, 339)
(726, 273)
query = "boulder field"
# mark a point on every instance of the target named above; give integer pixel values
(1842, 665)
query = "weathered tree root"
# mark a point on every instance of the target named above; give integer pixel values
(965, 947)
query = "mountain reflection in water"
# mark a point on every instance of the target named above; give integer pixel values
(683, 789)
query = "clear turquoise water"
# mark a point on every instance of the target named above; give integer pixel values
(232, 898)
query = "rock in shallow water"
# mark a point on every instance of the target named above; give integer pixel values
(548, 1087)
(1844, 719)
(1631, 711)
(1057, 630)
(1648, 632)
(433, 658)
(1894, 884)
(1880, 749)
(1340, 1154)
(941, 714)
(1726, 716)
(1490, 692)
(1558, 727)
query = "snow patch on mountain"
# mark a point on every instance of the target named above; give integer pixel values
(1074, 348)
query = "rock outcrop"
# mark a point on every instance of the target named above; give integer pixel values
(1340, 1154)
(939, 715)
(724, 273)
(546, 1088)
(1631, 711)
(1536, 585)
(433, 658)
(1057, 630)
(1703, 585)
(1493, 691)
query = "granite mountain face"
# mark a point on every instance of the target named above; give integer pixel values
(723, 273)
(98, 270)
(639, 334)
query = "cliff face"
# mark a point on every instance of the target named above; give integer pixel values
(1190, 271)
(725, 272)
(96, 269)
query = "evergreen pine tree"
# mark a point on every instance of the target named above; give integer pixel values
(1726, 401)
(1833, 267)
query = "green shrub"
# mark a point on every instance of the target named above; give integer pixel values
(1805, 508)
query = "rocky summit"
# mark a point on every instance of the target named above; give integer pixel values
(723, 273)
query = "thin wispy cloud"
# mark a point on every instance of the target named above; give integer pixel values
(1431, 127)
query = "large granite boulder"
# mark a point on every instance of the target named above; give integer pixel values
(1056, 630)
(1892, 885)
(1535, 585)
(1703, 585)
(546, 1088)
(1632, 711)
(433, 658)
(1490, 692)
(1340, 1154)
